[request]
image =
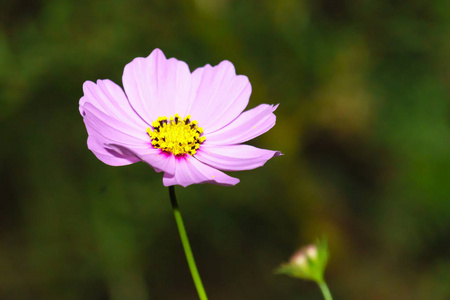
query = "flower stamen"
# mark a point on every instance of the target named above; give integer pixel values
(175, 135)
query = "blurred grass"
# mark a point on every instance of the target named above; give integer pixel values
(363, 122)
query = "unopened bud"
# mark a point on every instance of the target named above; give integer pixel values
(307, 263)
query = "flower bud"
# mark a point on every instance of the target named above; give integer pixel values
(307, 263)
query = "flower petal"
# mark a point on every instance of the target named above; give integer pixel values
(218, 95)
(113, 131)
(161, 162)
(157, 86)
(247, 126)
(191, 171)
(234, 157)
(111, 140)
(109, 98)
(108, 156)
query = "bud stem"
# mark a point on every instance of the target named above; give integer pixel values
(325, 291)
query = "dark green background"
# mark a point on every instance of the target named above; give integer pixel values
(363, 122)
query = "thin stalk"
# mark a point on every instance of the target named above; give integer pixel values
(186, 246)
(325, 291)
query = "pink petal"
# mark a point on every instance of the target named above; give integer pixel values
(109, 98)
(247, 126)
(108, 156)
(114, 131)
(161, 162)
(157, 86)
(101, 106)
(219, 95)
(235, 157)
(112, 141)
(190, 171)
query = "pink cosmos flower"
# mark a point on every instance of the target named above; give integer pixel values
(187, 125)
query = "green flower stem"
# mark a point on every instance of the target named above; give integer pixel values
(186, 246)
(325, 291)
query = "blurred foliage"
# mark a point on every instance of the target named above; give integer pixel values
(363, 122)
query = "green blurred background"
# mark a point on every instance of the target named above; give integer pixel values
(363, 122)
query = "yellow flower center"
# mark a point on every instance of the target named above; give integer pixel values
(176, 135)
